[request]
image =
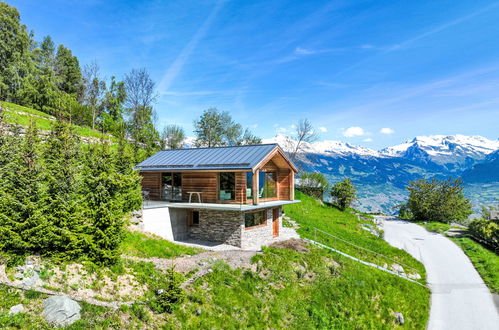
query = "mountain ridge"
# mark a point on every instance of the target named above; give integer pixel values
(381, 176)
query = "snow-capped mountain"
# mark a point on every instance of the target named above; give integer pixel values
(326, 147)
(455, 151)
(381, 176)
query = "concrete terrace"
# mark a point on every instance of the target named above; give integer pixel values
(216, 206)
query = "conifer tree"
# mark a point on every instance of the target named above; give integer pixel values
(62, 164)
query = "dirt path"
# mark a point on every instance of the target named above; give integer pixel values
(234, 258)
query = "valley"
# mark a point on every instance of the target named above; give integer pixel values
(381, 176)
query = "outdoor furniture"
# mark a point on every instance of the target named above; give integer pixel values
(198, 193)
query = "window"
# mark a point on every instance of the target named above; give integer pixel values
(255, 219)
(249, 185)
(195, 218)
(172, 186)
(267, 184)
(227, 186)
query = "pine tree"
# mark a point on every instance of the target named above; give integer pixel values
(67, 68)
(103, 212)
(62, 164)
(24, 225)
(14, 43)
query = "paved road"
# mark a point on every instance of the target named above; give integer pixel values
(459, 298)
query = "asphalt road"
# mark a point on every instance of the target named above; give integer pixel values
(459, 297)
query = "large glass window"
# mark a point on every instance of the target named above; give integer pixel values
(227, 186)
(172, 186)
(249, 185)
(255, 219)
(267, 185)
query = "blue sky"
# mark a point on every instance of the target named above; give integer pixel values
(372, 73)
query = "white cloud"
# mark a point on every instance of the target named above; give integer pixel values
(303, 51)
(323, 129)
(254, 126)
(354, 131)
(386, 130)
(368, 140)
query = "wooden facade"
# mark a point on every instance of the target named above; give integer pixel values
(207, 182)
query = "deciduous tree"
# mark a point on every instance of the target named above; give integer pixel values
(436, 200)
(343, 194)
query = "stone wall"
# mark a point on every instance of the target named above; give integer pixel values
(257, 236)
(219, 226)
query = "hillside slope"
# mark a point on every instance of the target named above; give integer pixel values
(16, 114)
(289, 285)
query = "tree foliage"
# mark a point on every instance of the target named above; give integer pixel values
(217, 128)
(313, 184)
(48, 77)
(343, 194)
(436, 200)
(63, 199)
(172, 137)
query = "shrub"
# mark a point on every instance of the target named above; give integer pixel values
(435, 200)
(343, 194)
(485, 231)
(313, 184)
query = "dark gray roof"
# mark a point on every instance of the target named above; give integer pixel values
(220, 158)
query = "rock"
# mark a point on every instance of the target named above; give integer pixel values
(61, 311)
(198, 312)
(31, 281)
(16, 309)
(414, 276)
(18, 276)
(397, 268)
(29, 262)
(399, 318)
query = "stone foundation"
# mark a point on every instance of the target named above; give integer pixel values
(219, 226)
(257, 236)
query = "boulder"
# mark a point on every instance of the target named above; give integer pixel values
(61, 311)
(16, 309)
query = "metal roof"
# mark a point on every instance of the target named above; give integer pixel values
(219, 158)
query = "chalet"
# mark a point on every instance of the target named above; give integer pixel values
(232, 195)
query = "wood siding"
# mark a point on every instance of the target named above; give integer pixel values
(208, 183)
(151, 181)
(283, 184)
(205, 182)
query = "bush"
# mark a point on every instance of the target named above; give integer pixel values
(343, 194)
(313, 184)
(485, 231)
(435, 200)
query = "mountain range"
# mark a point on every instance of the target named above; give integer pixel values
(382, 175)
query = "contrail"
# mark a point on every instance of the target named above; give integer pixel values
(179, 62)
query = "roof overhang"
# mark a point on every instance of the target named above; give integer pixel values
(275, 151)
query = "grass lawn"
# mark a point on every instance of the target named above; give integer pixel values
(140, 245)
(484, 260)
(312, 213)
